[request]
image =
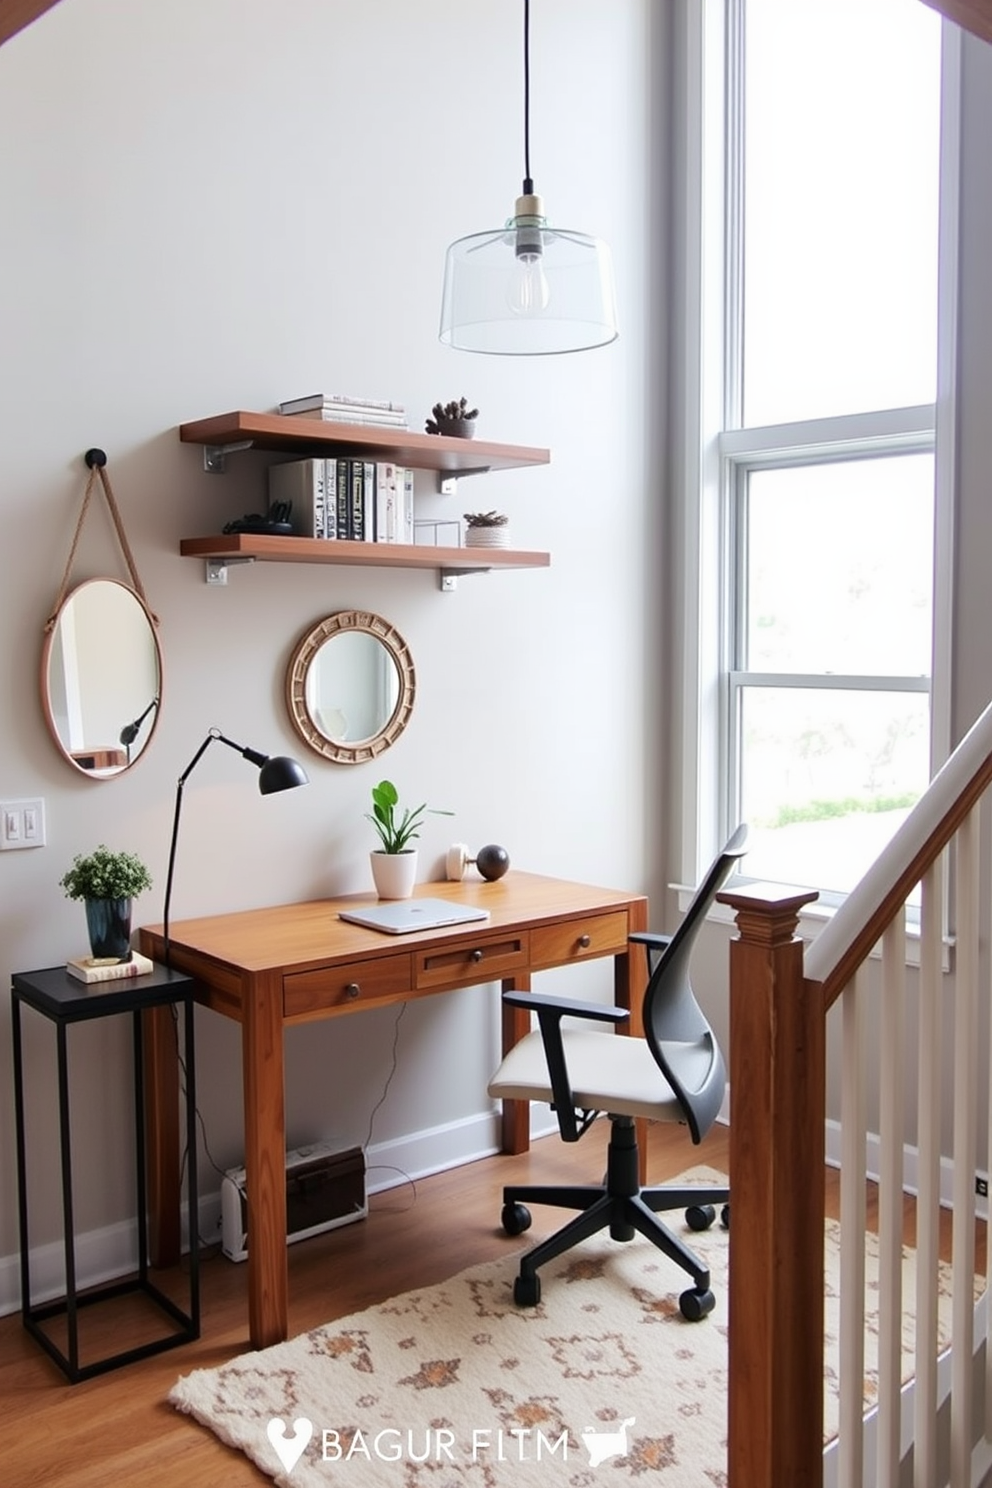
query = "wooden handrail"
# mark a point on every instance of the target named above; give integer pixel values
(858, 924)
(16, 14)
(971, 15)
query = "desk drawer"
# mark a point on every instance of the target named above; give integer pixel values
(574, 940)
(353, 985)
(480, 959)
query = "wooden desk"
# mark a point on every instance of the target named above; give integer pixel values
(297, 962)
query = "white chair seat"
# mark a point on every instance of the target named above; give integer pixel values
(607, 1072)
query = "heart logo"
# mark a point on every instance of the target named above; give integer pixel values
(289, 1446)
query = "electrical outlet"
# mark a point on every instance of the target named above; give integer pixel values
(22, 824)
(982, 1187)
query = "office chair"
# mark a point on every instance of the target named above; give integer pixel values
(674, 1073)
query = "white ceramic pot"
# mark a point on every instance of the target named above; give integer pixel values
(487, 537)
(394, 874)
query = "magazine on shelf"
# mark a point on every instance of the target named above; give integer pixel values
(317, 401)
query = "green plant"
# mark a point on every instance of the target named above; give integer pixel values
(450, 413)
(396, 833)
(486, 519)
(105, 875)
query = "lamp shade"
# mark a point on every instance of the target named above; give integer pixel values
(280, 773)
(528, 290)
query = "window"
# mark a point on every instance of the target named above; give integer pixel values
(819, 526)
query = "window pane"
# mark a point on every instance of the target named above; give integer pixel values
(839, 568)
(826, 778)
(840, 206)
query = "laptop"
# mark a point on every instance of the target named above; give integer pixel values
(400, 916)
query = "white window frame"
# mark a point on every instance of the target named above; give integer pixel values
(712, 451)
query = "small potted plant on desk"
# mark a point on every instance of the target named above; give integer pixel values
(107, 882)
(394, 864)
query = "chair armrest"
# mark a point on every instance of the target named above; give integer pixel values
(650, 938)
(550, 1011)
(566, 1007)
(656, 943)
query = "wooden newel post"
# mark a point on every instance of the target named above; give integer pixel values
(777, 1095)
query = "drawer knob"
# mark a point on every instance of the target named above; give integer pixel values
(476, 956)
(352, 989)
(584, 942)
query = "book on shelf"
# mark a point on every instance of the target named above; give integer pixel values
(337, 407)
(356, 510)
(406, 508)
(387, 481)
(104, 969)
(304, 484)
(342, 501)
(372, 418)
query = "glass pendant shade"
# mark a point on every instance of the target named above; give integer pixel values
(527, 289)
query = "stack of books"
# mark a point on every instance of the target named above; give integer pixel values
(346, 499)
(336, 408)
(108, 969)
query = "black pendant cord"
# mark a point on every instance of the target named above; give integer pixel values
(528, 182)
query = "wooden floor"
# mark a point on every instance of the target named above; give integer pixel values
(118, 1429)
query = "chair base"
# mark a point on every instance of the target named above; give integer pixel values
(623, 1207)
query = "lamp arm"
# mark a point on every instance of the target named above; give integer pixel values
(211, 736)
(172, 859)
(255, 758)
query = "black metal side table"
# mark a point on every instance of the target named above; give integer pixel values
(65, 999)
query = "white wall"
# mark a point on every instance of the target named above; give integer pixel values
(216, 204)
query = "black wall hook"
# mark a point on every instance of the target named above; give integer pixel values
(95, 457)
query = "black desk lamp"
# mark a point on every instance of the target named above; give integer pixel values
(130, 731)
(275, 774)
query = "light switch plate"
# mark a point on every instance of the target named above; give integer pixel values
(22, 823)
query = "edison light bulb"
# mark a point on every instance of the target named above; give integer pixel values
(528, 292)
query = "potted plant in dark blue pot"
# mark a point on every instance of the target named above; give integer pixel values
(107, 882)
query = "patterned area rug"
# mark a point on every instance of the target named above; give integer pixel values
(455, 1387)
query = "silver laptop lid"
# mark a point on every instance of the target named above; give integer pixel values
(400, 916)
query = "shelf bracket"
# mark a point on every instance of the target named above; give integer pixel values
(448, 577)
(447, 485)
(215, 455)
(215, 569)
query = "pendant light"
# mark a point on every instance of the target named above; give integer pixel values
(528, 289)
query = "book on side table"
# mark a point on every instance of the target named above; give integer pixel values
(100, 969)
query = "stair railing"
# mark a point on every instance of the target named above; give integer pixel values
(781, 996)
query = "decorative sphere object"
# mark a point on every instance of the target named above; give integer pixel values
(492, 861)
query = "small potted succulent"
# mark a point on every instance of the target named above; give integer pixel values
(394, 864)
(486, 530)
(107, 882)
(454, 419)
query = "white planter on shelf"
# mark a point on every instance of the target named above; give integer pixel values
(394, 874)
(487, 537)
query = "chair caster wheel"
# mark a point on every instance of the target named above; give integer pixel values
(527, 1291)
(725, 1216)
(695, 1305)
(515, 1218)
(700, 1216)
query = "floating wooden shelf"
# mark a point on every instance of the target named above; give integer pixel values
(304, 436)
(267, 549)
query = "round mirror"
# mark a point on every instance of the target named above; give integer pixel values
(350, 686)
(101, 678)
